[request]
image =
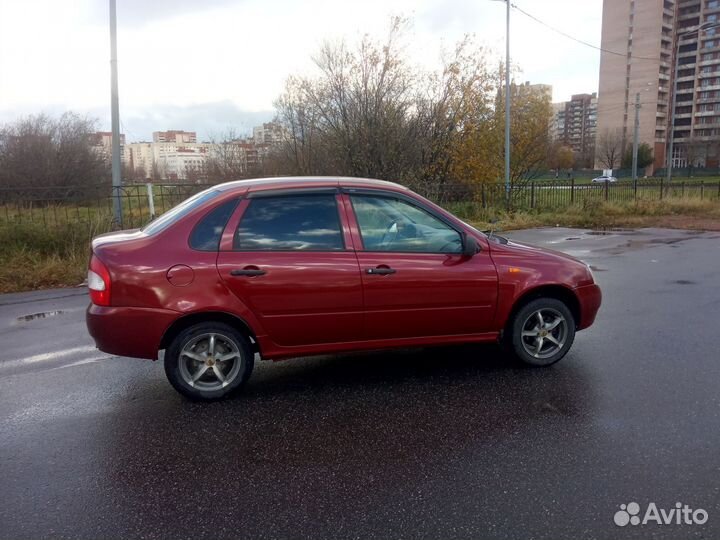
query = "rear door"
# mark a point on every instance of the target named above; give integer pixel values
(292, 264)
(415, 279)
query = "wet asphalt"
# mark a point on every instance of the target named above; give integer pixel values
(453, 442)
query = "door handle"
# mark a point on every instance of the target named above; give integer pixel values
(380, 271)
(247, 272)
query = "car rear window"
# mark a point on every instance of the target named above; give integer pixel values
(182, 209)
(206, 234)
(290, 223)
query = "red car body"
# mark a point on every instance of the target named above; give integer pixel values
(310, 302)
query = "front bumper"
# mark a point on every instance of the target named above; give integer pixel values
(128, 331)
(590, 298)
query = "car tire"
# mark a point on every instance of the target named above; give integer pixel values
(209, 361)
(536, 345)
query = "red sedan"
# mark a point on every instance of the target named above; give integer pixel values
(287, 267)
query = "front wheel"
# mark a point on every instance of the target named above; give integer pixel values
(542, 332)
(208, 361)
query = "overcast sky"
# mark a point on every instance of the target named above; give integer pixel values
(211, 65)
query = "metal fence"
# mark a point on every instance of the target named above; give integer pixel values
(92, 205)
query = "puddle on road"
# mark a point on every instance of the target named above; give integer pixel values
(684, 282)
(42, 315)
(596, 269)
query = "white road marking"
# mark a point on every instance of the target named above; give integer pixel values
(57, 355)
(82, 362)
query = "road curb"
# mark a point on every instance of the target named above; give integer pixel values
(40, 296)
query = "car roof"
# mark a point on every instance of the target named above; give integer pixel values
(288, 182)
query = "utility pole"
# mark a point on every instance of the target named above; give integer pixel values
(636, 140)
(115, 115)
(507, 102)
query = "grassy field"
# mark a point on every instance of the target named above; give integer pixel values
(35, 255)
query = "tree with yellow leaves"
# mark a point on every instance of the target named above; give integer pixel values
(479, 155)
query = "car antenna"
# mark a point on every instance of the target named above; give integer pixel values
(493, 223)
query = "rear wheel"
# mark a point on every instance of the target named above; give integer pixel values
(208, 361)
(542, 332)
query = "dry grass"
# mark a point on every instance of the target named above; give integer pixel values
(37, 257)
(671, 213)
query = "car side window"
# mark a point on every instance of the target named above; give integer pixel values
(206, 234)
(290, 223)
(389, 224)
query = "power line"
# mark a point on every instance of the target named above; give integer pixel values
(514, 6)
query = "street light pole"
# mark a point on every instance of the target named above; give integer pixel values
(115, 118)
(507, 101)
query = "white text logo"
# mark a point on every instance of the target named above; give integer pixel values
(681, 514)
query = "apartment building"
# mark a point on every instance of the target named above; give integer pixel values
(167, 160)
(642, 41)
(575, 125)
(177, 136)
(176, 154)
(102, 143)
(269, 133)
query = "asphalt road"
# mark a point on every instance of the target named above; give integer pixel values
(435, 443)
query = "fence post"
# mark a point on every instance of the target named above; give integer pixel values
(635, 188)
(532, 194)
(482, 196)
(607, 184)
(702, 189)
(151, 201)
(572, 191)
(662, 187)
(682, 189)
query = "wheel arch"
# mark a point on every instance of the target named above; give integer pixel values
(190, 319)
(558, 292)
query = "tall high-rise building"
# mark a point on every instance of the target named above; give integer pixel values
(642, 40)
(575, 124)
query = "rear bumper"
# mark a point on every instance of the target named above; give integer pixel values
(128, 331)
(590, 298)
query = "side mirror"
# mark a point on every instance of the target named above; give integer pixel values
(470, 246)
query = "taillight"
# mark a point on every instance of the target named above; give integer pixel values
(98, 282)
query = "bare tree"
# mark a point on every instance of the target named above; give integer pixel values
(44, 152)
(356, 117)
(227, 157)
(609, 148)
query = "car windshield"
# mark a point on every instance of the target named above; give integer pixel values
(182, 209)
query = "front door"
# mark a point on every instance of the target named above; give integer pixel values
(289, 264)
(415, 279)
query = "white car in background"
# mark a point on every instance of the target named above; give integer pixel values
(600, 179)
